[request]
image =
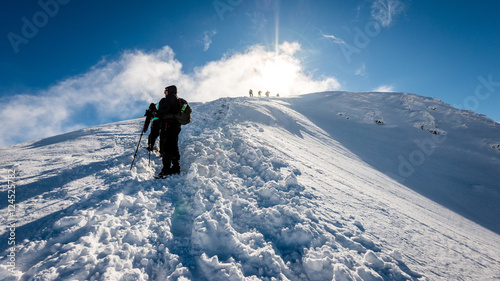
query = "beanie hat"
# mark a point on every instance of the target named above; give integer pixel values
(171, 89)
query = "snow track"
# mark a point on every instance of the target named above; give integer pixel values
(264, 194)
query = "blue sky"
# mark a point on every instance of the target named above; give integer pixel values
(68, 64)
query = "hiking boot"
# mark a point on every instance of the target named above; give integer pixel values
(162, 175)
(176, 168)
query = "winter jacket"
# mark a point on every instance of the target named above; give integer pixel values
(167, 108)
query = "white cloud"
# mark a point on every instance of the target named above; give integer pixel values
(336, 40)
(109, 91)
(384, 88)
(122, 89)
(386, 11)
(290, 48)
(207, 39)
(257, 69)
(361, 71)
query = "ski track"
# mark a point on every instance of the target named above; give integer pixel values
(257, 199)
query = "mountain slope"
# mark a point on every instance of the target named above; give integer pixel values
(448, 155)
(288, 189)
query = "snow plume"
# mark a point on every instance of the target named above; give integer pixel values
(110, 91)
(122, 89)
(289, 48)
(384, 88)
(257, 69)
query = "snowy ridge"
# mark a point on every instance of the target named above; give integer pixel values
(446, 154)
(269, 191)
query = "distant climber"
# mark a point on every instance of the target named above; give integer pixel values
(155, 128)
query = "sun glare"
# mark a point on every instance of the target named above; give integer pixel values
(278, 75)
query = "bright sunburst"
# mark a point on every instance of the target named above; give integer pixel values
(278, 74)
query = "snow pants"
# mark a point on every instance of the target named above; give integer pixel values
(169, 147)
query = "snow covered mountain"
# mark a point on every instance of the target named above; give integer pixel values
(325, 186)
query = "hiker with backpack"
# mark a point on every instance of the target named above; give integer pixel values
(172, 112)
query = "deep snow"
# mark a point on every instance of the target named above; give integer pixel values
(336, 185)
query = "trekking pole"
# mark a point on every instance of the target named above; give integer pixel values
(144, 129)
(133, 160)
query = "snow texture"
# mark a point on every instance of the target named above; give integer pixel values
(325, 186)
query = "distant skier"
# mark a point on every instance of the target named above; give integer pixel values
(168, 128)
(250, 93)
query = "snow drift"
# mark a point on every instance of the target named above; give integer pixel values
(326, 186)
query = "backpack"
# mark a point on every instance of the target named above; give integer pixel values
(184, 115)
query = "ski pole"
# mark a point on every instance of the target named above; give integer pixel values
(144, 129)
(133, 160)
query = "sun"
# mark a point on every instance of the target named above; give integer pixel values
(279, 73)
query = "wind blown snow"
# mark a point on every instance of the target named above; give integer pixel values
(116, 89)
(315, 187)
